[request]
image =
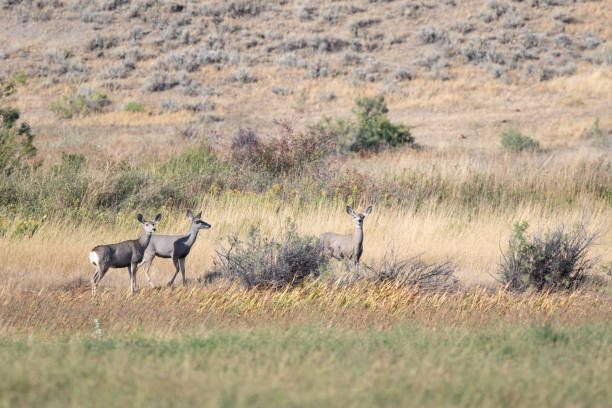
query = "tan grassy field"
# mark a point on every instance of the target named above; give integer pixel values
(458, 73)
(57, 253)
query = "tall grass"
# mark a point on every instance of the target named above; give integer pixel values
(70, 308)
(420, 181)
(57, 251)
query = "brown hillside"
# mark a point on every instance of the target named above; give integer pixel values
(456, 71)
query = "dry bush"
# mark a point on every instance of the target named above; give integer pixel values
(243, 75)
(269, 261)
(160, 81)
(413, 271)
(431, 34)
(557, 260)
(288, 151)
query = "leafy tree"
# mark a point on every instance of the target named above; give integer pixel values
(16, 138)
(370, 130)
(373, 129)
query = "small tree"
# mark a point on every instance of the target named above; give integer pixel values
(16, 139)
(373, 129)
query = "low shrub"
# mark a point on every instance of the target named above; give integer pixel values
(16, 139)
(373, 129)
(514, 141)
(555, 260)
(81, 102)
(243, 75)
(269, 261)
(414, 272)
(430, 34)
(160, 81)
(370, 131)
(285, 152)
(134, 107)
(281, 90)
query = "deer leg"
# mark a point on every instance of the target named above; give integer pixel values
(94, 280)
(356, 265)
(346, 263)
(129, 268)
(176, 265)
(96, 275)
(147, 267)
(100, 272)
(133, 283)
(182, 265)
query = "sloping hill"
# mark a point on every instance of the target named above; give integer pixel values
(449, 68)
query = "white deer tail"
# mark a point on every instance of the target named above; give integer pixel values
(93, 258)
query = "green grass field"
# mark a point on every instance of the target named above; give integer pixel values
(407, 365)
(362, 345)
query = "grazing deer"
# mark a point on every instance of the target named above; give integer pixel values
(347, 247)
(126, 254)
(176, 247)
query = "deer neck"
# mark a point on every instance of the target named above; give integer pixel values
(192, 235)
(358, 235)
(144, 239)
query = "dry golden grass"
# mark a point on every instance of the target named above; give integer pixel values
(70, 308)
(58, 252)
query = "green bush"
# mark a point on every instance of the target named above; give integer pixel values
(66, 187)
(373, 129)
(81, 102)
(134, 107)
(370, 131)
(514, 141)
(551, 261)
(16, 139)
(25, 228)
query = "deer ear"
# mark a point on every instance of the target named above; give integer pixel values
(157, 218)
(199, 215)
(190, 214)
(368, 210)
(140, 218)
(350, 211)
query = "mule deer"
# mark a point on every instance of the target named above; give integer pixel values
(126, 254)
(176, 247)
(347, 247)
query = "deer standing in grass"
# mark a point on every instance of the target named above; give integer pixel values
(126, 254)
(347, 247)
(176, 247)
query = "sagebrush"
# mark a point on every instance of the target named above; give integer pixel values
(273, 262)
(553, 260)
(413, 271)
